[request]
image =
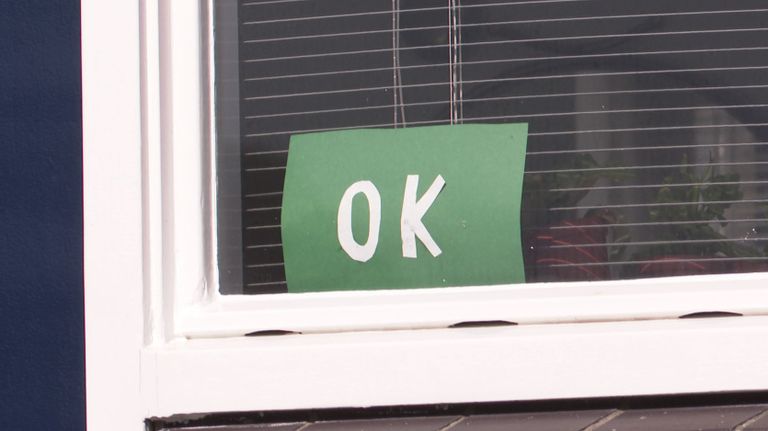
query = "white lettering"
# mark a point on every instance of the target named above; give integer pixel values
(360, 253)
(413, 210)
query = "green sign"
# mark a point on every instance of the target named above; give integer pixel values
(404, 208)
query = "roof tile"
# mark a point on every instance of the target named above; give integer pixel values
(541, 421)
(388, 424)
(723, 418)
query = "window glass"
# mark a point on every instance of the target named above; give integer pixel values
(648, 139)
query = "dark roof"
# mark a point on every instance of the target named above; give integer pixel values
(712, 418)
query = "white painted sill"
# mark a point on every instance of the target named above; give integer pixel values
(387, 368)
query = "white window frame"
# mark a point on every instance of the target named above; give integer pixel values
(161, 341)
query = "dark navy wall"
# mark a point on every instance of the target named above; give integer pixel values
(41, 275)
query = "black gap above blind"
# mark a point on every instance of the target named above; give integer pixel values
(648, 146)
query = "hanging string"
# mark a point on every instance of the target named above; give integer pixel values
(397, 74)
(394, 62)
(457, 29)
(398, 68)
(451, 93)
(453, 59)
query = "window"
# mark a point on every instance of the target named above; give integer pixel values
(646, 153)
(161, 237)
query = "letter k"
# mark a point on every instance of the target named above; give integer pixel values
(413, 210)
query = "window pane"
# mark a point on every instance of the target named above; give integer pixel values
(648, 139)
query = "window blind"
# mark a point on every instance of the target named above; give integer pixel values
(648, 121)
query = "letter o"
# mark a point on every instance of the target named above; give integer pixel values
(360, 253)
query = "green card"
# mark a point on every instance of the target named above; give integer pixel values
(404, 208)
